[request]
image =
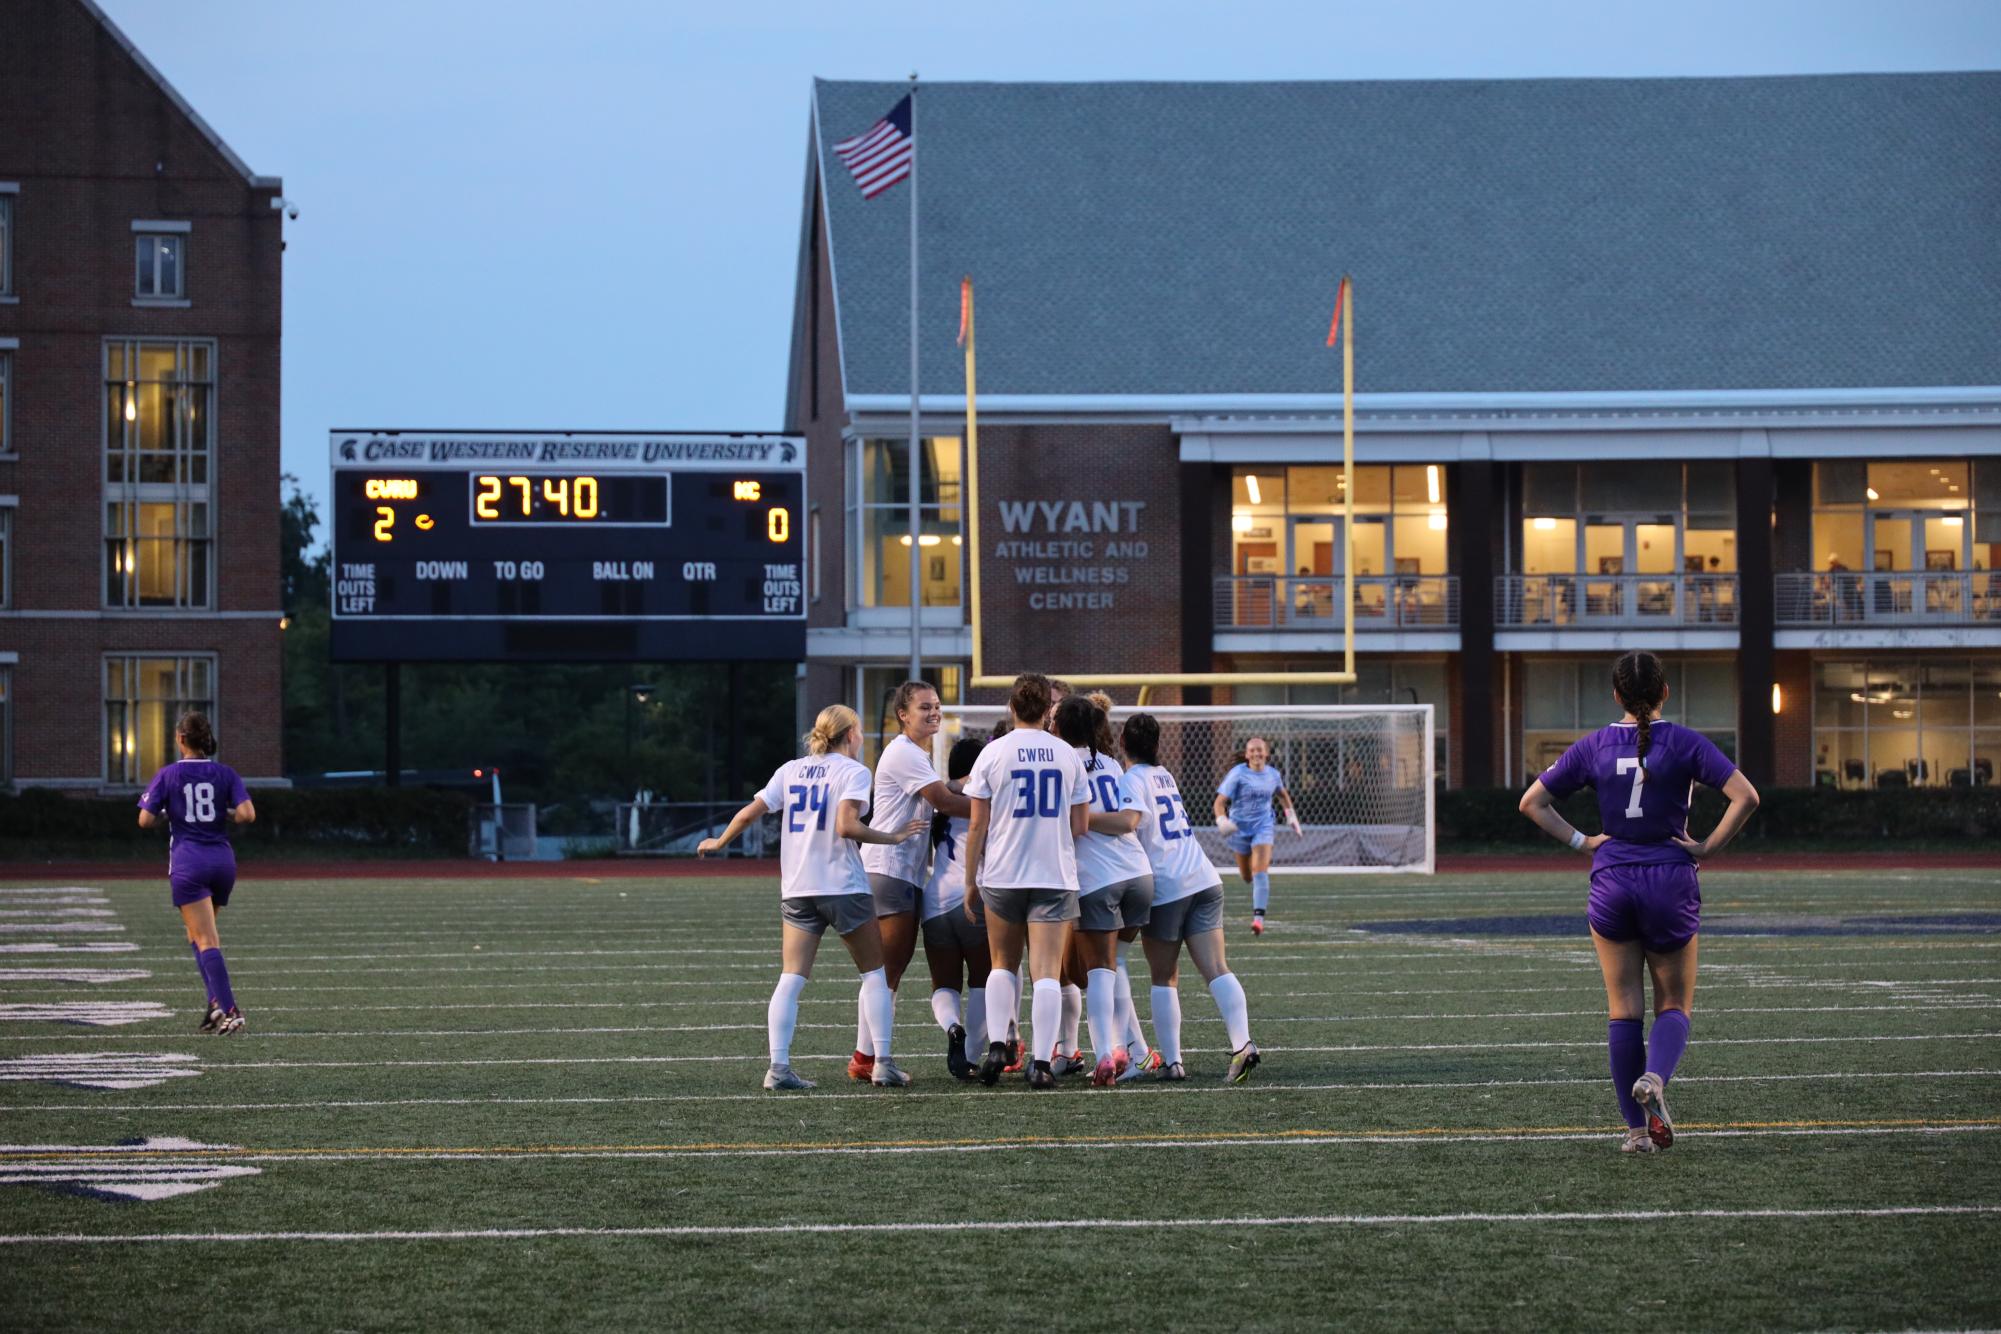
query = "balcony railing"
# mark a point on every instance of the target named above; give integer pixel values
(1594, 601)
(1313, 602)
(1891, 597)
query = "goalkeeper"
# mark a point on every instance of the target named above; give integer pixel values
(1245, 800)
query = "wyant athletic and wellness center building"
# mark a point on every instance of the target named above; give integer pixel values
(1705, 366)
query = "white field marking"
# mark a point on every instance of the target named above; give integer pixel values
(1011, 1225)
(1193, 1021)
(97, 1014)
(100, 928)
(91, 975)
(842, 1057)
(1161, 1090)
(48, 947)
(1004, 1144)
(149, 1174)
(100, 1070)
(54, 889)
(50, 910)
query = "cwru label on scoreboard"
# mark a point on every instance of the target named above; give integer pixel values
(484, 546)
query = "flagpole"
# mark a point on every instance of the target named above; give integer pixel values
(916, 528)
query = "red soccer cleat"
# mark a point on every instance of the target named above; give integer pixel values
(1258, 924)
(861, 1067)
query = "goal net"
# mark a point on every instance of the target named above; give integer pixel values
(1361, 777)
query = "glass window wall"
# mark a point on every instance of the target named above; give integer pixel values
(1564, 698)
(1889, 723)
(879, 522)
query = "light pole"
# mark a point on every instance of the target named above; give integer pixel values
(634, 693)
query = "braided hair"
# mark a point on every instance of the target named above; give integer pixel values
(1078, 721)
(1640, 684)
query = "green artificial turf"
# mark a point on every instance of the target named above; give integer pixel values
(451, 1056)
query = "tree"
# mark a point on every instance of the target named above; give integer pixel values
(304, 578)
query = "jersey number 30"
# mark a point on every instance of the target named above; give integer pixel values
(1037, 791)
(199, 798)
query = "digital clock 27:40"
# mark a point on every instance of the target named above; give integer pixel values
(536, 498)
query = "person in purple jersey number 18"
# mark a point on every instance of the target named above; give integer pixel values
(1645, 906)
(199, 799)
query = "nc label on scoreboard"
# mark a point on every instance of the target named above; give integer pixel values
(482, 546)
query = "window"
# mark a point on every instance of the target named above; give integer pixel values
(1934, 722)
(1563, 698)
(6, 726)
(6, 241)
(6, 400)
(1631, 517)
(879, 521)
(1287, 521)
(876, 686)
(1940, 515)
(143, 699)
(160, 264)
(159, 401)
(7, 553)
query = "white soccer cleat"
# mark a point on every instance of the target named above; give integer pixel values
(1134, 1069)
(1637, 1141)
(785, 1077)
(229, 1024)
(1650, 1091)
(888, 1075)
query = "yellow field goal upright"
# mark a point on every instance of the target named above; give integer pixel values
(1344, 312)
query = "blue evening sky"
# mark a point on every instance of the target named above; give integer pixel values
(529, 215)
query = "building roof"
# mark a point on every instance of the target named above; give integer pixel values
(1543, 235)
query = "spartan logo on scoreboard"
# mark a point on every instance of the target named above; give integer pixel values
(492, 545)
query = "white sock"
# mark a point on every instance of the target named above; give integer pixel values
(783, 1016)
(945, 1008)
(1073, 1013)
(1128, 1013)
(1047, 1016)
(878, 1002)
(863, 1042)
(976, 1023)
(1101, 1004)
(1236, 1008)
(1003, 1004)
(1167, 1023)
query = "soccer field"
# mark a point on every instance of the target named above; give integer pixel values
(533, 1104)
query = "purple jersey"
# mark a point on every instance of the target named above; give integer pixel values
(1644, 810)
(196, 796)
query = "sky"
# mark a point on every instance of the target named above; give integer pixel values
(521, 215)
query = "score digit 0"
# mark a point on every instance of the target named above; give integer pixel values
(778, 523)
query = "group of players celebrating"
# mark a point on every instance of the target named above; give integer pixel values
(1037, 843)
(1040, 842)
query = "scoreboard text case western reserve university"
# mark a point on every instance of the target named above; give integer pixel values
(496, 546)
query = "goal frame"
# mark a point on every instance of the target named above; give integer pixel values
(989, 713)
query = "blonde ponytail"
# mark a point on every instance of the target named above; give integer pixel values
(831, 728)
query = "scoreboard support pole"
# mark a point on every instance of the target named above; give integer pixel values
(392, 730)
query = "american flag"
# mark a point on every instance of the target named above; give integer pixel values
(881, 157)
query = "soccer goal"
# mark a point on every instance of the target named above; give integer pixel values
(1362, 776)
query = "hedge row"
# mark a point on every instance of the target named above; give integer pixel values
(414, 820)
(1487, 816)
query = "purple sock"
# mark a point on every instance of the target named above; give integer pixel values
(209, 991)
(217, 974)
(1670, 1040)
(1629, 1062)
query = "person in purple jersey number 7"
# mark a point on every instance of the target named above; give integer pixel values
(1645, 906)
(198, 800)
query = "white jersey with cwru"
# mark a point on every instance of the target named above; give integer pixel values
(1179, 866)
(903, 771)
(812, 857)
(1032, 780)
(1108, 859)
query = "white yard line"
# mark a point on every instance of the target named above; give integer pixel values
(1021, 1225)
(828, 1093)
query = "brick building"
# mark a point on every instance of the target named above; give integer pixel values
(139, 333)
(1707, 366)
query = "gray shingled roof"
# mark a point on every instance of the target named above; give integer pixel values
(1534, 235)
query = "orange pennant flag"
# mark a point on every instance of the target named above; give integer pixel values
(1340, 300)
(965, 307)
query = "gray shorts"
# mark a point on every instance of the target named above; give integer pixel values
(893, 896)
(817, 912)
(1116, 907)
(1199, 912)
(950, 930)
(1031, 905)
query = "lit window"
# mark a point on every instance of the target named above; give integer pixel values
(879, 522)
(144, 698)
(159, 399)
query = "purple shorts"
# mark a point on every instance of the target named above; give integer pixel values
(197, 873)
(1658, 905)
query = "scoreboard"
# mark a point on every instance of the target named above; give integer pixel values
(498, 546)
